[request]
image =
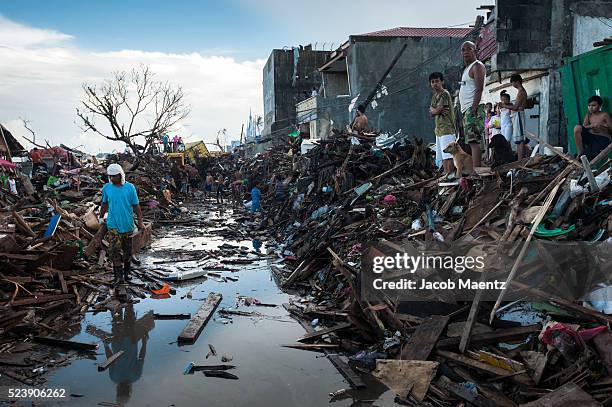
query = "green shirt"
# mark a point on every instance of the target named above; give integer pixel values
(445, 123)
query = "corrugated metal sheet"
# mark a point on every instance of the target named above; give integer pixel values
(420, 32)
(487, 42)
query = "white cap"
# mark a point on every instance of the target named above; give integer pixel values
(114, 169)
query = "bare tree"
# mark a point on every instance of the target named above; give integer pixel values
(26, 125)
(135, 106)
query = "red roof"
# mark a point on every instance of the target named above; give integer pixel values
(420, 32)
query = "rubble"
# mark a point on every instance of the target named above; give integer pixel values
(347, 191)
(53, 252)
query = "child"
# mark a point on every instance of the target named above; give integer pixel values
(495, 123)
(441, 109)
(596, 131)
(505, 120)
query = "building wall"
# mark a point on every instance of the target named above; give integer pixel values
(282, 92)
(588, 30)
(406, 106)
(335, 83)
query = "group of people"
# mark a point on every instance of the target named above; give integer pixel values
(483, 123)
(174, 145)
(186, 177)
(219, 183)
(8, 181)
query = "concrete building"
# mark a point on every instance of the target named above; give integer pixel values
(532, 37)
(289, 76)
(354, 69)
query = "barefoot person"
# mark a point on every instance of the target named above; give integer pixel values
(470, 94)
(120, 200)
(596, 131)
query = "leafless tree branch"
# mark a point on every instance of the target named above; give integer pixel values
(125, 100)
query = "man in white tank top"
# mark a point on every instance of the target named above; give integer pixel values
(470, 94)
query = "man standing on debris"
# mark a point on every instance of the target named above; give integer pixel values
(470, 94)
(361, 121)
(120, 200)
(518, 116)
(441, 109)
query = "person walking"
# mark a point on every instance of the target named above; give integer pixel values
(120, 201)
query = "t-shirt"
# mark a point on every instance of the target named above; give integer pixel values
(120, 211)
(255, 199)
(444, 122)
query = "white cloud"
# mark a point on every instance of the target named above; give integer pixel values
(13, 34)
(43, 72)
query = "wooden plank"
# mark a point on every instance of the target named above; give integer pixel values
(423, 340)
(193, 329)
(492, 337)
(60, 276)
(171, 316)
(469, 324)
(38, 300)
(110, 360)
(351, 377)
(322, 332)
(405, 377)
(536, 361)
(567, 395)
(65, 344)
(484, 367)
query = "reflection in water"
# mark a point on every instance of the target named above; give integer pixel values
(127, 334)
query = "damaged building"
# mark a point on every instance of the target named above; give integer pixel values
(353, 70)
(535, 39)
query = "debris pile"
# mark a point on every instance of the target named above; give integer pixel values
(53, 264)
(347, 192)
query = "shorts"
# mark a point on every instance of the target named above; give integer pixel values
(208, 187)
(518, 128)
(119, 247)
(473, 126)
(593, 143)
(441, 143)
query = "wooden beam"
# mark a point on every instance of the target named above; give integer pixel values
(491, 337)
(38, 300)
(320, 333)
(345, 370)
(195, 326)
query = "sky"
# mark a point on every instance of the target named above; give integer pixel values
(215, 50)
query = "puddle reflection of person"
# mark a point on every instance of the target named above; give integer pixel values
(127, 332)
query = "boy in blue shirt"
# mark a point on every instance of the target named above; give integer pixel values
(120, 200)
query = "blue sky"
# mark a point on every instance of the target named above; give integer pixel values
(245, 29)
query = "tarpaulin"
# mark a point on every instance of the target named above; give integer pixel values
(7, 164)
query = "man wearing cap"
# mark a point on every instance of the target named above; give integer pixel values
(120, 200)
